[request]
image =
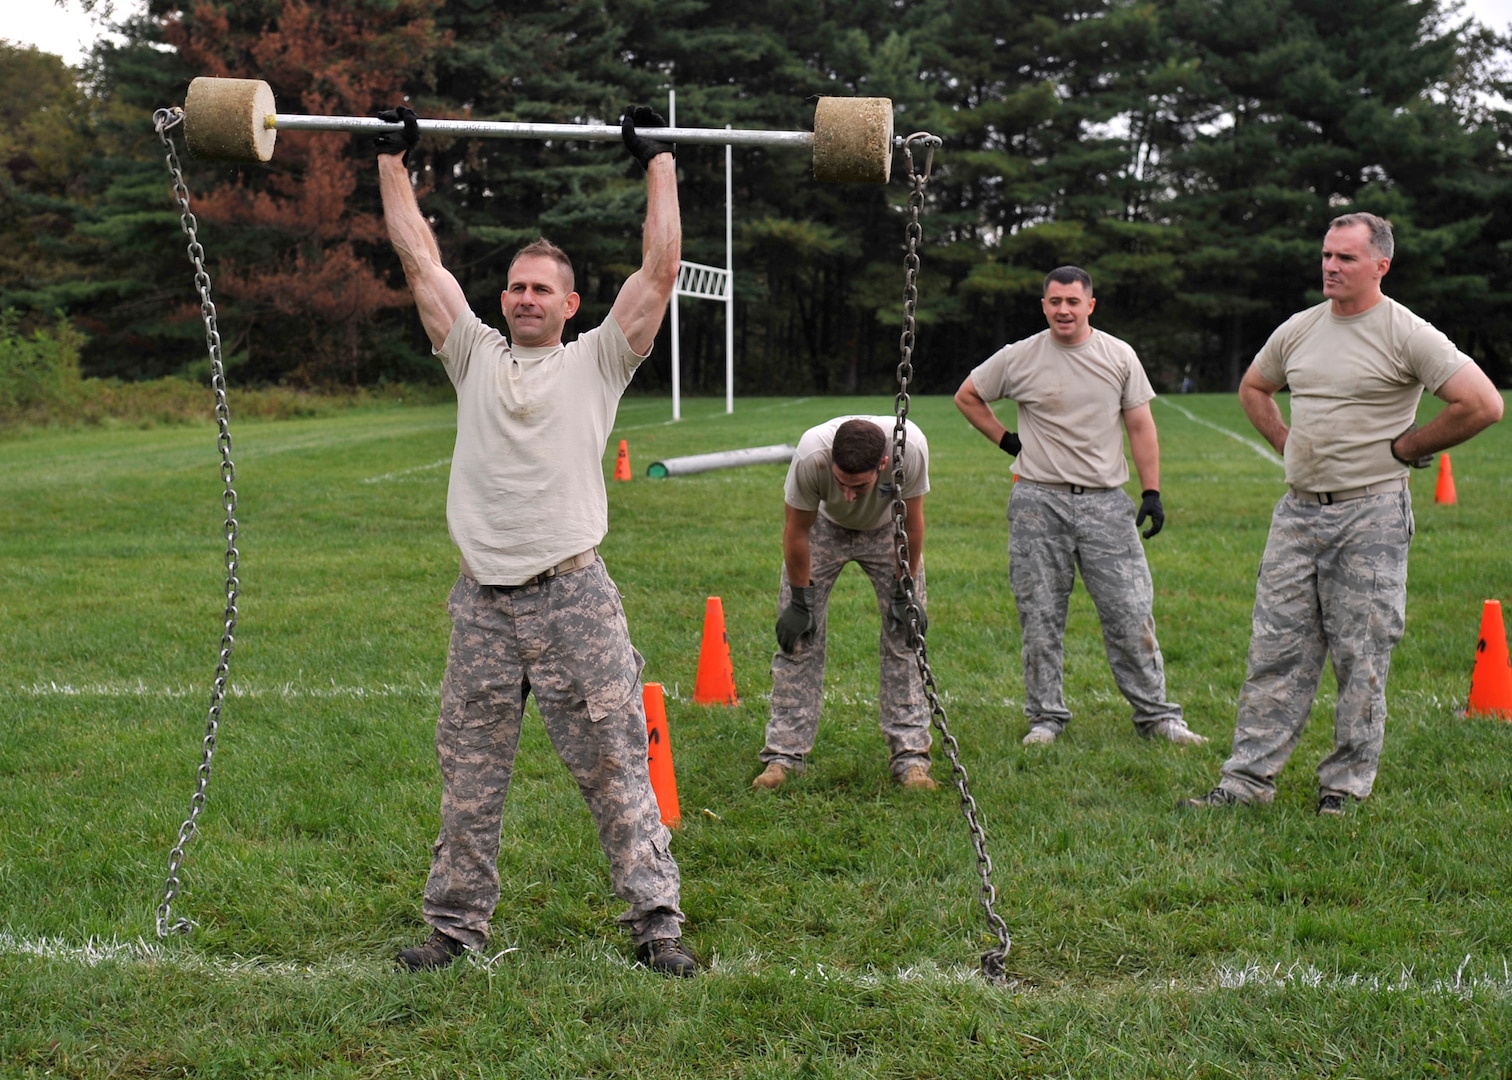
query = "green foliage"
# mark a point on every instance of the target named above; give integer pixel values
(39, 372)
(1188, 153)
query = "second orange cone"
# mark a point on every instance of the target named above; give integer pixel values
(622, 463)
(1444, 493)
(1491, 681)
(716, 674)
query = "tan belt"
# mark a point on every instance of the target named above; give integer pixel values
(1328, 498)
(1074, 489)
(566, 566)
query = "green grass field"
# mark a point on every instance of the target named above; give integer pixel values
(840, 916)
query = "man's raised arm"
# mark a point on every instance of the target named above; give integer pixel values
(642, 300)
(438, 297)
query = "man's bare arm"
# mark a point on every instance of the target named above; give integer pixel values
(1474, 404)
(795, 543)
(1257, 396)
(438, 297)
(642, 300)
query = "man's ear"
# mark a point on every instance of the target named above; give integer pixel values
(572, 304)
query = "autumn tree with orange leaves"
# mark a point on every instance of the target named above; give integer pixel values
(308, 234)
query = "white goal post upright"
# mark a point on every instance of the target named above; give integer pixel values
(707, 283)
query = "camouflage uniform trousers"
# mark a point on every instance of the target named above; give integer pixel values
(1050, 534)
(1332, 583)
(798, 677)
(565, 640)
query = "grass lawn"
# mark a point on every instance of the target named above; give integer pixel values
(840, 916)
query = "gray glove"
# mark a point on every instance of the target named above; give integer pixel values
(897, 609)
(796, 621)
(1416, 463)
(641, 148)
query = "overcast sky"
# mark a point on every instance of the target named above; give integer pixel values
(68, 31)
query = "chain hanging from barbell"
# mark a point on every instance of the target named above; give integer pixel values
(164, 120)
(994, 961)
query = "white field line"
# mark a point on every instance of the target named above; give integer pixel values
(286, 691)
(1263, 449)
(1466, 983)
(386, 477)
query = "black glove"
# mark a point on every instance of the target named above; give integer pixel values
(1416, 463)
(397, 142)
(796, 621)
(1149, 507)
(1010, 444)
(897, 609)
(641, 148)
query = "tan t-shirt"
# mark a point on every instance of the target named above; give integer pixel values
(1355, 385)
(811, 483)
(1071, 400)
(527, 476)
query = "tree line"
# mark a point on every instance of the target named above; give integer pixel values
(1188, 153)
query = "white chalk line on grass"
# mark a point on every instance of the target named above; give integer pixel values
(287, 691)
(1463, 984)
(1263, 449)
(386, 477)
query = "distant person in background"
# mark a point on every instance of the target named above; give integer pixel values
(839, 509)
(1333, 580)
(534, 611)
(1078, 391)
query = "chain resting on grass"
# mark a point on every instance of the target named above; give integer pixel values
(164, 120)
(994, 961)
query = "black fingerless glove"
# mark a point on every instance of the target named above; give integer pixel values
(1010, 444)
(641, 148)
(398, 142)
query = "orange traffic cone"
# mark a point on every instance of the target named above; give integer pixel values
(1444, 493)
(622, 463)
(659, 755)
(1491, 681)
(716, 674)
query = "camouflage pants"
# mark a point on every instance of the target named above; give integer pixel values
(1052, 533)
(798, 676)
(565, 640)
(1333, 583)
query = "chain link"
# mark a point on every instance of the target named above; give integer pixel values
(994, 961)
(164, 120)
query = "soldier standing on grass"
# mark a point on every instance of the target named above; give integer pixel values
(1078, 390)
(838, 509)
(534, 610)
(1333, 580)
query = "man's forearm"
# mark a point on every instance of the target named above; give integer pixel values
(408, 230)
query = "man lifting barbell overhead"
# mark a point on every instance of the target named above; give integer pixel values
(533, 609)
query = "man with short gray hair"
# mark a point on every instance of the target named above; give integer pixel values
(1333, 579)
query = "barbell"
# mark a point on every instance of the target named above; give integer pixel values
(237, 120)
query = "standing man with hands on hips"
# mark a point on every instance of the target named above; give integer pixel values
(533, 609)
(1078, 390)
(1333, 579)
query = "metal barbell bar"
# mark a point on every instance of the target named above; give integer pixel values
(236, 120)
